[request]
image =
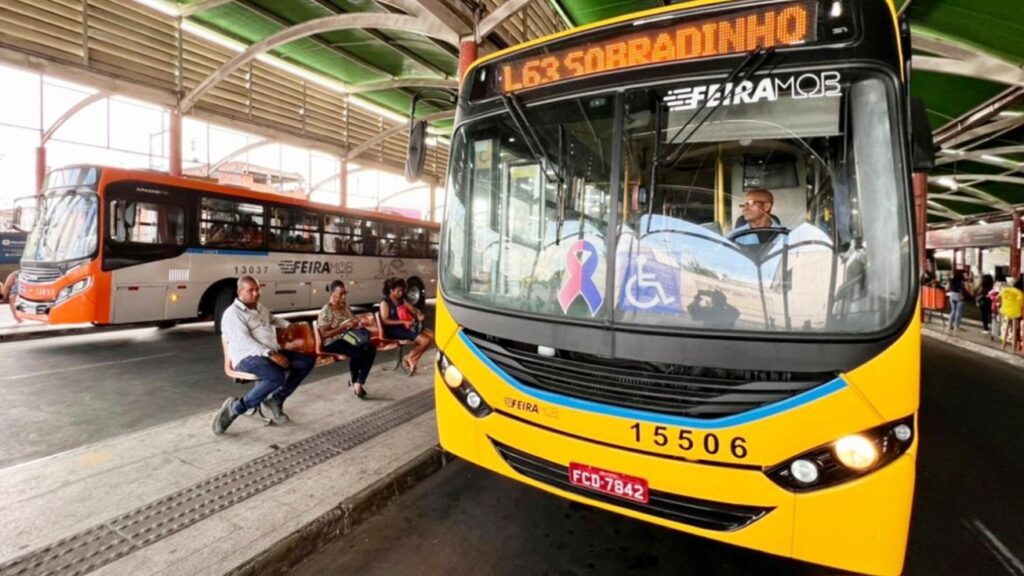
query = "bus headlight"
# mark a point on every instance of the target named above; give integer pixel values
(70, 290)
(452, 377)
(845, 459)
(461, 388)
(856, 452)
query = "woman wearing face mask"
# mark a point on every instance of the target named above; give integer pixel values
(341, 334)
(403, 321)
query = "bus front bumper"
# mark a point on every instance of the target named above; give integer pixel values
(860, 525)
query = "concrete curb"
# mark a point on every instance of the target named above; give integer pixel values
(340, 520)
(75, 331)
(1006, 357)
(17, 336)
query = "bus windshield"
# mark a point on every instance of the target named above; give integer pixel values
(66, 229)
(768, 206)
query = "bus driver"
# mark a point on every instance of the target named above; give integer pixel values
(757, 213)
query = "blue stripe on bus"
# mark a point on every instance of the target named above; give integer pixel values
(724, 422)
(225, 252)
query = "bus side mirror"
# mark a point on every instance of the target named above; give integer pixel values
(922, 141)
(417, 150)
(25, 219)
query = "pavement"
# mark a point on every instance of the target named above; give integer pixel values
(972, 337)
(109, 465)
(93, 488)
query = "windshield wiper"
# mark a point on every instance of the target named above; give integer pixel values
(515, 110)
(731, 83)
(560, 186)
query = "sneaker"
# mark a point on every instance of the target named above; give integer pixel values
(274, 406)
(224, 417)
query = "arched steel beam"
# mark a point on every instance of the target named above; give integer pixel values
(399, 193)
(197, 7)
(78, 107)
(980, 68)
(325, 181)
(953, 156)
(236, 153)
(355, 152)
(959, 198)
(402, 83)
(412, 24)
(945, 212)
(494, 19)
(984, 130)
(978, 178)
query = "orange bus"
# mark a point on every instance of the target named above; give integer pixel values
(116, 246)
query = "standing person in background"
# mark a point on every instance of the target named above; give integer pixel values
(984, 302)
(997, 318)
(955, 293)
(11, 291)
(1011, 301)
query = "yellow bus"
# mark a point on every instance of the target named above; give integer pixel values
(118, 246)
(678, 276)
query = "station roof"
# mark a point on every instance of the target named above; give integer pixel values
(970, 54)
(967, 68)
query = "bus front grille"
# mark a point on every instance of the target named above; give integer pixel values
(678, 390)
(38, 275)
(705, 514)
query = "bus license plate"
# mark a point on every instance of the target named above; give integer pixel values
(611, 483)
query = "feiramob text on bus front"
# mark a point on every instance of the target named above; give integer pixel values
(797, 87)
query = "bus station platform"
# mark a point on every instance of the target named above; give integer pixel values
(971, 337)
(167, 496)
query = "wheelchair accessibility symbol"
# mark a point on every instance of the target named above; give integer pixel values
(651, 286)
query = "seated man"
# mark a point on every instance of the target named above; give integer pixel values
(249, 331)
(757, 213)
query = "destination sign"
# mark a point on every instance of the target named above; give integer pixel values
(787, 24)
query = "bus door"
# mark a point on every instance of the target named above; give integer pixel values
(146, 240)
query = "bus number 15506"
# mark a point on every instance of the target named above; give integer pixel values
(687, 440)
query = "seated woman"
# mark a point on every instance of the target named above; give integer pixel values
(402, 321)
(335, 322)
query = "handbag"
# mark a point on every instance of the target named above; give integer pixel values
(357, 337)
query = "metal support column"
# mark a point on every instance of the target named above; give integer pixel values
(40, 169)
(433, 202)
(343, 183)
(175, 151)
(1015, 247)
(467, 55)
(921, 218)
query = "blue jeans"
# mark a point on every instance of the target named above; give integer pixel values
(272, 378)
(956, 310)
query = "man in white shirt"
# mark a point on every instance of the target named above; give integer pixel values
(249, 329)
